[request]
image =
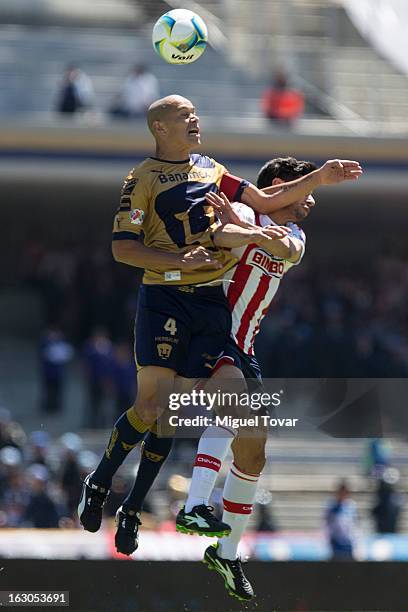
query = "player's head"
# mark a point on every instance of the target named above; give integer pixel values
(173, 121)
(283, 170)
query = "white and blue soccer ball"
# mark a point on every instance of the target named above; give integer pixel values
(180, 36)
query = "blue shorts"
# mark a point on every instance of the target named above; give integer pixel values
(184, 328)
(248, 364)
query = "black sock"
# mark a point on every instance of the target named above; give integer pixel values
(129, 430)
(154, 453)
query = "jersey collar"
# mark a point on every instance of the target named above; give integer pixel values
(169, 161)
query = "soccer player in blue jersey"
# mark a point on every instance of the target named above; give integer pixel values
(165, 226)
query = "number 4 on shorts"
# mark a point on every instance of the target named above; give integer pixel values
(170, 326)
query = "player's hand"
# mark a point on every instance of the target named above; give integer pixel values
(223, 209)
(197, 258)
(339, 170)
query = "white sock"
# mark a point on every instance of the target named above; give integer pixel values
(239, 496)
(211, 452)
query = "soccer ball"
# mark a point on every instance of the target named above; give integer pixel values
(180, 36)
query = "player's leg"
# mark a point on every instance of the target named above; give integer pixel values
(155, 449)
(212, 449)
(161, 341)
(205, 350)
(128, 431)
(228, 377)
(213, 446)
(132, 426)
(153, 453)
(238, 498)
(240, 486)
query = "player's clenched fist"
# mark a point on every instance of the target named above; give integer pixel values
(198, 257)
(339, 170)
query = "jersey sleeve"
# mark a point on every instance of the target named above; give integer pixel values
(131, 216)
(298, 233)
(232, 186)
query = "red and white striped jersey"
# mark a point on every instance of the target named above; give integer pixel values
(253, 283)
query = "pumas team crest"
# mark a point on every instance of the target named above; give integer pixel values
(136, 216)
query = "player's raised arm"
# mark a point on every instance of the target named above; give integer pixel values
(271, 199)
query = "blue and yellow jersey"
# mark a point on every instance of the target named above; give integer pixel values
(164, 201)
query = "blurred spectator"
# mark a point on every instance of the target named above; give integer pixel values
(119, 490)
(341, 523)
(378, 457)
(41, 511)
(264, 517)
(280, 102)
(139, 90)
(87, 462)
(55, 353)
(98, 359)
(389, 503)
(71, 481)
(76, 91)
(38, 448)
(11, 433)
(13, 493)
(177, 489)
(14, 499)
(124, 378)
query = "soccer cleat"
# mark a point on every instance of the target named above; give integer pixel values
(202, 521)
(91, 503)
(235, 580)
(127, 533)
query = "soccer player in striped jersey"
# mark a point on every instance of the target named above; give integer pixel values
(255, 281)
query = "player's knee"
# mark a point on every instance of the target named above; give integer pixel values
(147, 411)
(154, 386)
(228, 380)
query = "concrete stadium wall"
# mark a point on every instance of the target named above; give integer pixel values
(233, 142)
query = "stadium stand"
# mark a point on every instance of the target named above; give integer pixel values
(331, 61)
(300, 474)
